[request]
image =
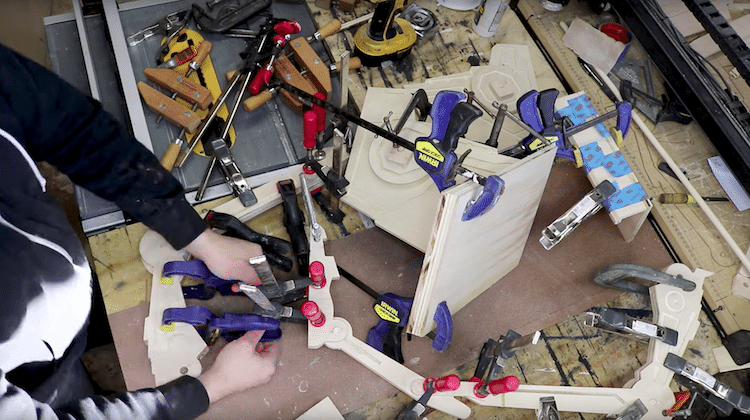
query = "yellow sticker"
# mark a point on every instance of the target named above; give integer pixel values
(387, 312)
(429, 154)
(578, 157)
(168, 327)
(166, 280)
(536, 144)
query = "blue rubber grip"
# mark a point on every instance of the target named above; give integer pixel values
(444, 333)
(245, 322)
(440, 112)
(196, 269)
(193, 315)
(377, 335)
(493, 189)
(624, 116)
(529, 110)
(546, 104)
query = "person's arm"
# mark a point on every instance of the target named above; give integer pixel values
(60, 125)
(242, 364)
(184, 398)
(73, 133)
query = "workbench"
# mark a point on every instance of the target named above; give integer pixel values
(569, 353)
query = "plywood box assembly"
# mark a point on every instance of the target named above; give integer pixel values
(462, 258)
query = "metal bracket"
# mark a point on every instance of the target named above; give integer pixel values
(618, 322)
(717, 388)
(548, 411)
(636, 411)
(587, 207)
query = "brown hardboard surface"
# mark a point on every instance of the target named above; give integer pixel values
(546, 287)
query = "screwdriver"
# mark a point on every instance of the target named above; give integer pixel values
(681, 198)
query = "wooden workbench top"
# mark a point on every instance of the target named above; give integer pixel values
(570, 353)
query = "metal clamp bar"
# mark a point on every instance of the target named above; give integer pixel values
(614, 277)
(126, 75)
(618, 322)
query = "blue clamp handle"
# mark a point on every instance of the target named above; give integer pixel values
(196, 269)
(227, 324)
(624, 116)
(436, 155)
(528, 110)
(546, 103)
(444, 333)
(494, 187)
(440, 112)
(386, 337)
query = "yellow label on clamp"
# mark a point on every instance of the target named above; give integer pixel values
(429, 154)
(387, 312)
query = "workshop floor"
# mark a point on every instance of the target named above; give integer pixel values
(22, 28)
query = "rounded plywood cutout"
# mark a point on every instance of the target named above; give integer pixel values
(491, 85)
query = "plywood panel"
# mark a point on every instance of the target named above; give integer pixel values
(467, 257)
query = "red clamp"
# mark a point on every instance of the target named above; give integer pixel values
(311, 311)
(287, 27)
(498, 386)
(317, 274)
(445, 383)
(309, 131)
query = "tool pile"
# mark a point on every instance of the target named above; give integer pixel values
(278, 62)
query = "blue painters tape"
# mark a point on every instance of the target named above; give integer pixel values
(579, 110)
(614, 163)
(632, 194)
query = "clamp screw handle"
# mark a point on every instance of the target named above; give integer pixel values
(445, 383)
(503, 385)
(311, 311)
(309, 128)
(317, 274)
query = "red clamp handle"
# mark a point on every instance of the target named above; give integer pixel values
(320, 112)
(503, 385)
(287, 27)
(317, 274)
(279, 41)
(445, 383)
(309, 129)
(259, 81)
(311, 311)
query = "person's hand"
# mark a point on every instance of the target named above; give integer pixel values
(242, 364)
(225, 256)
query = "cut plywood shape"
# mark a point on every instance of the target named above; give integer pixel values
(467, 257)
(324, 410)
(388, 186)
(725, 362)
(507, 76)
(629, 206)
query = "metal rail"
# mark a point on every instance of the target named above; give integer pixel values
(722, 120)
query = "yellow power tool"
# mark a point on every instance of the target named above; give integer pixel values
(386, 37)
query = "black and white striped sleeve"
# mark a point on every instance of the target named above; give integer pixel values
(182, 399)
